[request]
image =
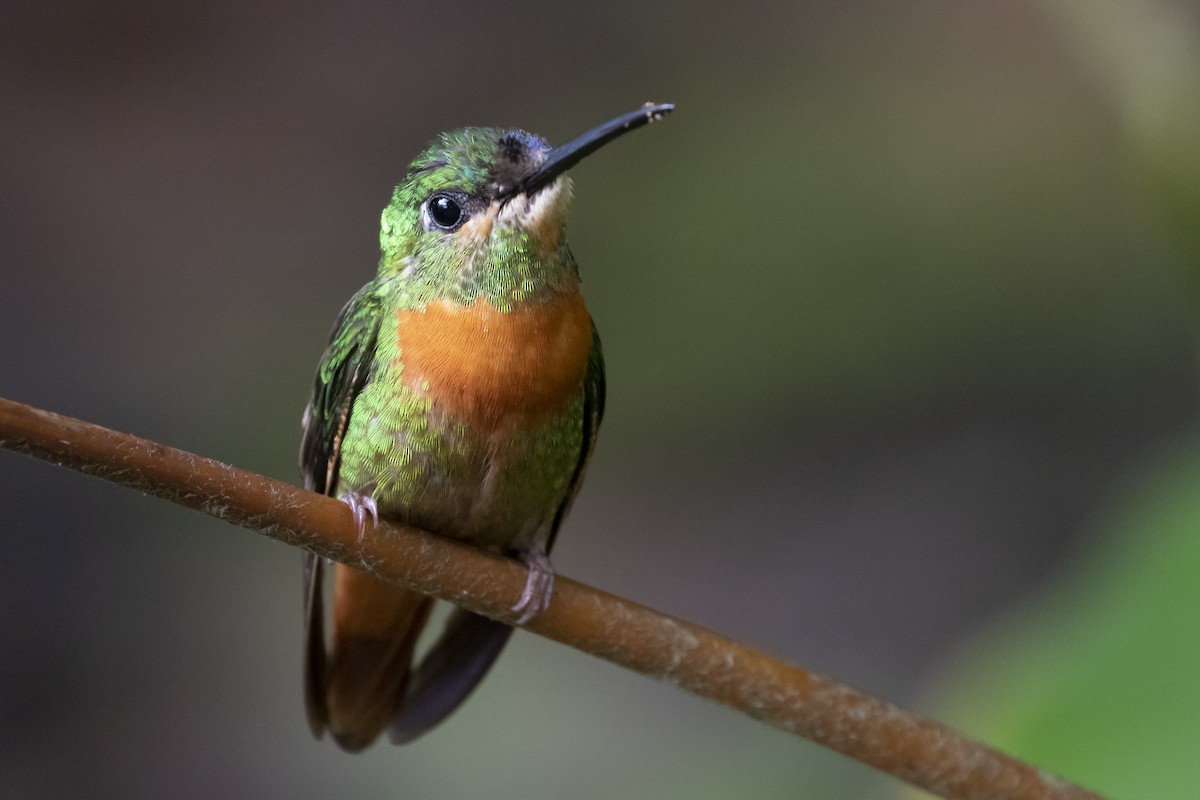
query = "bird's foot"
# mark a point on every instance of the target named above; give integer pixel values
(361, 505)
(539, 585)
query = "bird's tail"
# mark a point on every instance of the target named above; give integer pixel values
(359, 687)
(452, 668)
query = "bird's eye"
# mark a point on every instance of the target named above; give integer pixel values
(445, 212)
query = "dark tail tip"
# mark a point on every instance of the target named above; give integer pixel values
(351, 742)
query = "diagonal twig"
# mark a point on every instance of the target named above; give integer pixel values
(922, 752)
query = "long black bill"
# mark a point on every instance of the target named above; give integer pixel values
(562, 158)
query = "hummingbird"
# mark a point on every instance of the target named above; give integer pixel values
(461, 392)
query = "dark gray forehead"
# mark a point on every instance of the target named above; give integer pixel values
(480, 161)
(518, 153)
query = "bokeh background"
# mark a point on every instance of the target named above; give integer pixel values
(902, 376)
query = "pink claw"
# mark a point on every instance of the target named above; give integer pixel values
(539, 585)
(361, 505)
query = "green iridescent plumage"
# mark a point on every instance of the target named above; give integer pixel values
(461, 392)
(383, 436)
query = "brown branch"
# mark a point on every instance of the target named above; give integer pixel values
(924, 753)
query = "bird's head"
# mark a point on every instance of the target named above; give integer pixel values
(483, 211)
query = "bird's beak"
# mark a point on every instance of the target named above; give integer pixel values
(560, 159)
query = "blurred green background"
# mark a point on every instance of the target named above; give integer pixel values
(902, 379)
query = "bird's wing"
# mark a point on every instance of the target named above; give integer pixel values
(344, 370)
(593, 413)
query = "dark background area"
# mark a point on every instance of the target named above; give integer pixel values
(889, 307)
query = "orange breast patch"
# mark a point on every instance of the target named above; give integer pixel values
(483, 365)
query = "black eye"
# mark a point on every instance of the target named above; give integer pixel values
(445, 211)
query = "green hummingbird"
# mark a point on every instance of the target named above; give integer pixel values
(461, 392)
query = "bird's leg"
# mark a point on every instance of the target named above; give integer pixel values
(539, 585)
(361, 505)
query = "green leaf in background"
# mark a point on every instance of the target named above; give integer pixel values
(1098, 680)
